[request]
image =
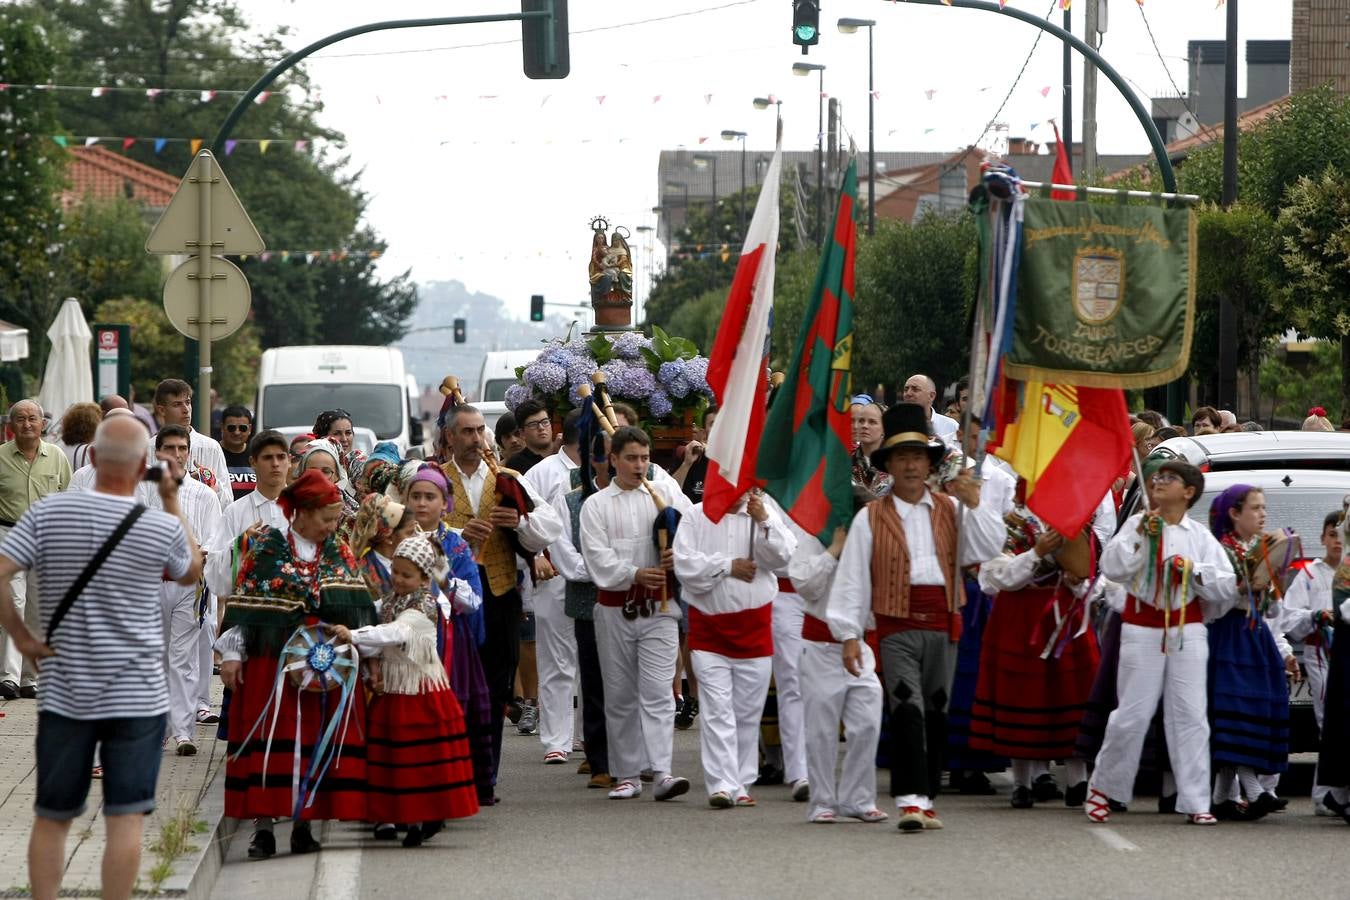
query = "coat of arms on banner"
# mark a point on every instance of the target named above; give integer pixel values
(1098, 284)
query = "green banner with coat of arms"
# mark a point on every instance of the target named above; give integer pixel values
(1106, 294)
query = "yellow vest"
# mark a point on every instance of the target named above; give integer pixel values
(494, 556)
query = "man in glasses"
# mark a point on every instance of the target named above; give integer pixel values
(236, 428)
(536, 428)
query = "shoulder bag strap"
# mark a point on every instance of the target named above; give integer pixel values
(91, 568)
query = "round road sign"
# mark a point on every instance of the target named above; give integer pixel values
(230, 298)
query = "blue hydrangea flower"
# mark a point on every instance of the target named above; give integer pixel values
(636, 384)
(629, 345)
(579, 369)
(555, 355)
(670, 371)
(696, 374)
(517, 394)
(572, 394)
(659, 403)
(546, 377)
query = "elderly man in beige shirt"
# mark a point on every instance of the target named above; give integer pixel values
(30, 469)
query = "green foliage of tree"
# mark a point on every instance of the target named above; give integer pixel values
(30, 178)
(156, 348)
(297, 199)
(102, 254)
(1315, 237)
(794, 277)
(915, 283)
(1295, 391)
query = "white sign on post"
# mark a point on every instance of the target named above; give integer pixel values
(107, 362)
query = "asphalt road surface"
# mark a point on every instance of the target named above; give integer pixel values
(551, 837)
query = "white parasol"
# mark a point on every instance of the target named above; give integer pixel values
(69, 378)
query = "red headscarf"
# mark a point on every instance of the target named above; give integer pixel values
(311, 490)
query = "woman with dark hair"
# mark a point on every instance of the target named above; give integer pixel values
(1248, 693)
(336, 426)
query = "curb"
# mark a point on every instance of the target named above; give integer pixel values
(195, 875)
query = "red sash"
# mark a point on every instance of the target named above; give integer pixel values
(747, 634)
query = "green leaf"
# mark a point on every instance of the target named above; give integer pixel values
(684, 348)
(601, 349)
(653, 361)
(520, 374)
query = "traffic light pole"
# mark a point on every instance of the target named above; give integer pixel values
(227, 127)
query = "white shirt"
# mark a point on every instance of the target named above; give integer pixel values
(704, 551)
(1309, 592)
(204, 450)
(616, 532)
(537, 530)
(1104, 519)
(943, 426)
(850, 608)
(551, 475)
(1007, 572)
(998, 488)
(239, 517)
(1125, 560)
(811, 571)
(473, 483)
(566, 557)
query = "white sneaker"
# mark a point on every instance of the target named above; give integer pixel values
(1320, 809)
(801, 790)
(671, 787)
(626, 790)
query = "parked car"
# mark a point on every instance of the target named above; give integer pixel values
(497, 374)
(1304, 476)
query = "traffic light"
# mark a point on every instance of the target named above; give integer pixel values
(537, 308)
(460, 336)
(544, 39)
(805, 23)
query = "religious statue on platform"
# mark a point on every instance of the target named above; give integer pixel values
(611, 271)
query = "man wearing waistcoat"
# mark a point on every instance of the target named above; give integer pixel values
(900, 570)
(475, 511)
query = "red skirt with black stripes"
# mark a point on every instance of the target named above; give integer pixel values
(1026, 707)
(418, 763)
(252, 790)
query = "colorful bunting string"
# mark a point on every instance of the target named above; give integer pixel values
(103, 90)
(311, 256)
(159, 143)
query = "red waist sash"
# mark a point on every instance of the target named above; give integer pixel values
(747, 634)
(1139, 613)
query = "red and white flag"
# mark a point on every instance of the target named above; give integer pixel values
(736, 367)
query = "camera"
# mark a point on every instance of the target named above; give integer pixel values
(158, 470)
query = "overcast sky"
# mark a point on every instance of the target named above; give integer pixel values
(479, 174)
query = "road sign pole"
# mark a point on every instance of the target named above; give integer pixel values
(205, 248)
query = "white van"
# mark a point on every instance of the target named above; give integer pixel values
(497, 374)
(295, 384)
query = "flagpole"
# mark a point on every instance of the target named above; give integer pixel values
(1112, 192)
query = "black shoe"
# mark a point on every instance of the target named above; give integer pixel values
(1281, 804)
(302, 839)
(9, 690)
(28, 692)
(1340, 809)
(514, 710)
(1075, 794)
(770, 774)
(414, 836)
(386, 831)
(263, 845)
(1261, 807)
(684, 714)
(1116, 806)
(977, 784)
(1021, 797)
(1168, 805)
(1044, 789)
(1227, 811)
(431, 829)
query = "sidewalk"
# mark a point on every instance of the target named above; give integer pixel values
(189, 803)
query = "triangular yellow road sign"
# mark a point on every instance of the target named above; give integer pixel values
(178, 226)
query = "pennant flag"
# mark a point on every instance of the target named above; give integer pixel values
(805, 456)
(4, 86)
(159, 144)
(151, 93)
(930, 92)
(736, 364)
(1069, 444)
(98, 92)
(60, 139)
(704, 140)
(707, 99)
(262, 147)
(1063, 173)
(1045, 91)
(208, 96)
(126, 144)
(301, 146)
(196, 144)
(229, 146)
(262, 97)
(600, 99)
(1065, 4)
(657, 99)
(91, 141)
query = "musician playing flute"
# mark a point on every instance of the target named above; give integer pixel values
(635, 617)
(483, 522)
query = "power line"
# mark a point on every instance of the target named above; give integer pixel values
(1185, 101)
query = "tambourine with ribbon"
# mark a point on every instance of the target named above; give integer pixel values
(313, 662)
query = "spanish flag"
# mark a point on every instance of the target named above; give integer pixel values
(1069, 444)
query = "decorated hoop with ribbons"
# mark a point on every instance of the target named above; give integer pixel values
(314, 663)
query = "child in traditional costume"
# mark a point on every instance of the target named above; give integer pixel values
(418, 764)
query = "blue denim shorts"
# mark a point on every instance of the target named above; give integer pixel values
(129, 749)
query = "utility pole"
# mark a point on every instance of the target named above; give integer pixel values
(832, 151)
(1066, 127)
(1093, 26)
(1227, 319)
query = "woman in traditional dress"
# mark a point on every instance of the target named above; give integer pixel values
(427, 494)
(1248, 693)
(290, 578)
(417, 751)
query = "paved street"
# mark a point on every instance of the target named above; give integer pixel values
(552, 837)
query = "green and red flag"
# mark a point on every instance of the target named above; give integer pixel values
(805, 456)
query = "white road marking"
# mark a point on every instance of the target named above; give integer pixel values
(1114, 840)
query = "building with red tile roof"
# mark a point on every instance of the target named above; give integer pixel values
(104, 175)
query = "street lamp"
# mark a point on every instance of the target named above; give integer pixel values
(803, 70)
(702, 161)
(646, 232)
(850, 26)
(729, 135)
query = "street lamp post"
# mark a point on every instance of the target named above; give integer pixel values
(730, 135)
(849, 26)
(804, 69)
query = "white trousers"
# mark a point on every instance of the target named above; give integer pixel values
(830, 694)
(787, 655)
(555, 649)
(206, 641)
(13, 667)
(731, 696)
(182, 657)
(1315, 662)
(637, 661)
(1178, 677)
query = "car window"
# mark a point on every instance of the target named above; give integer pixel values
(1288, 507)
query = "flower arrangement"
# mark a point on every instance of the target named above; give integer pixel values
(662, 376)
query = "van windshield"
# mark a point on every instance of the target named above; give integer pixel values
(378, 407)
(495, 390)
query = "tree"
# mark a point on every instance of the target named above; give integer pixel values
(102, 256)
(1293, 392)
(1315, 236)
(1238, 258)
(30, 179)
(915, 283)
